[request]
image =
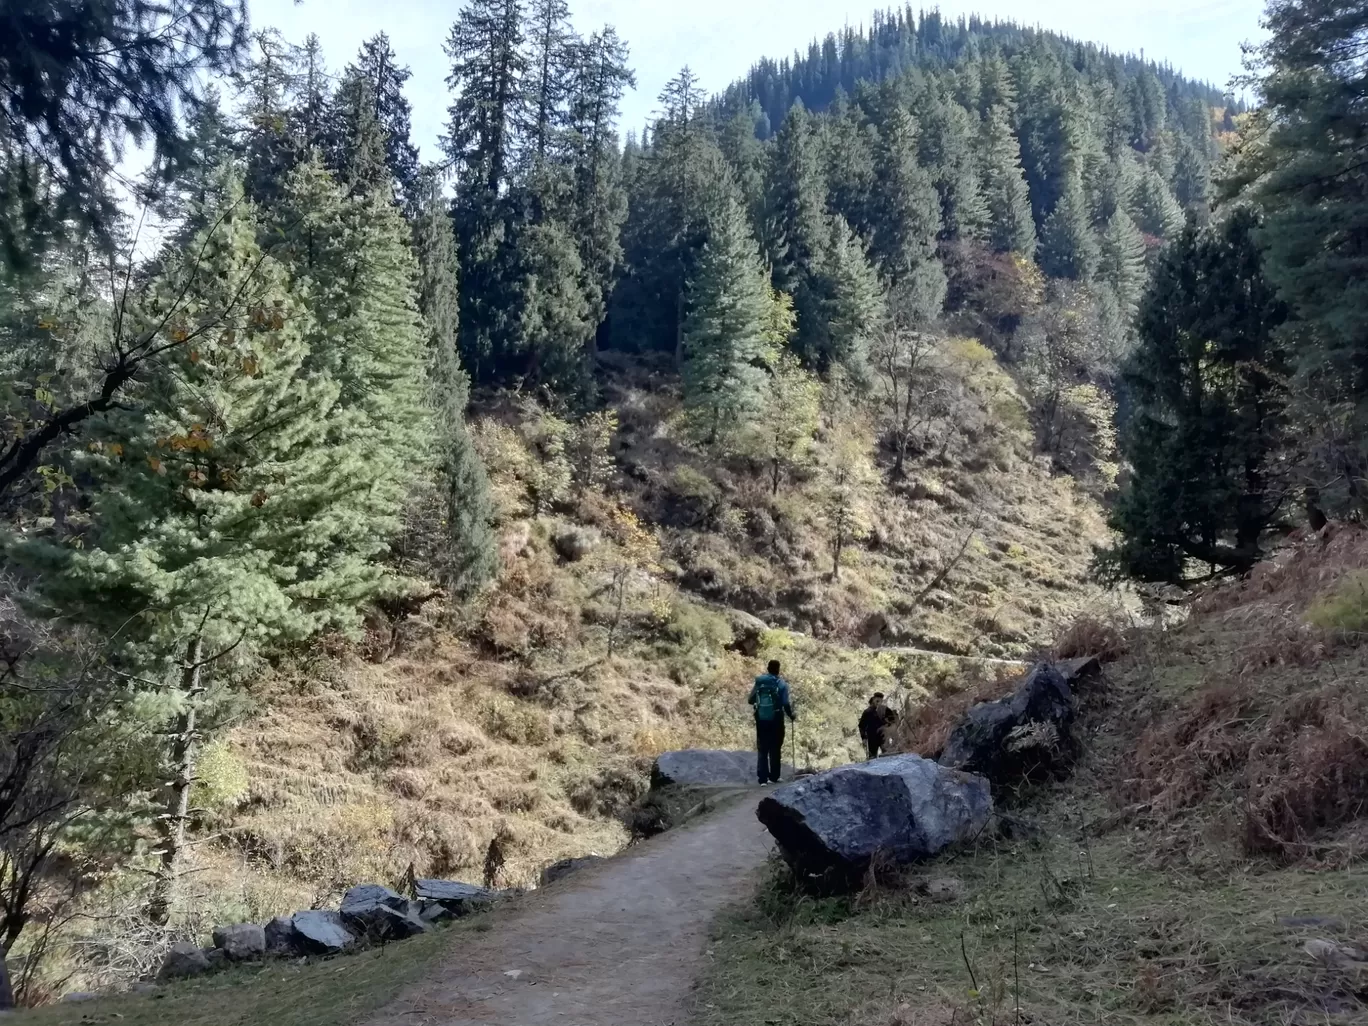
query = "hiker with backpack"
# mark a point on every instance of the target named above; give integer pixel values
(770, 696)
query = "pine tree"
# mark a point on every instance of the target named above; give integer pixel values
(359, 151)
(1068, 245)
(1207, 381)
(1154, 209)
(848, 147)
(1122, 262)
(682, 185)
(469, 556)
(236, 509)
(1011, 227)
(853, 301)
(267, 95)
(728, 340)
(488, 66)
(555, 323)
(907, 221)
(601, 78)
(795, 201)
(948, 148)
(550, 61)
(795, 232)
(352, 260)
(377, 65)
(308, 95)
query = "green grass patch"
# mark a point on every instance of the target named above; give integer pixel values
(1070, 931)
(1345, 609)
(330, 992)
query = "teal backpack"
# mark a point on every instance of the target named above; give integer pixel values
(767, 698)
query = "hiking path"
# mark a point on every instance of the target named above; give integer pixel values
(616, 944)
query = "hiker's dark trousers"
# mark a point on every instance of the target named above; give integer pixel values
(873, 746)
(769, 744)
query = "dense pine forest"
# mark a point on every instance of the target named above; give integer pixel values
(560, 392)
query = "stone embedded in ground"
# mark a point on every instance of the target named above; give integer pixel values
(184, 959)
(320, 932)
(1025, 733)
(379, 913)
(460, 899)
(218, 958)
(904, 808)
(240, 941)
(280, 937)
(365, 896)
(944, 889)
(699, 768)
(563, 868)
(77, 996)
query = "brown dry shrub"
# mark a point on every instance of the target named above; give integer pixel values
(1092, 636)
(1293, 762)
(1306, 776)
(925, 730)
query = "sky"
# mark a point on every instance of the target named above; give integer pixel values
(721, 39)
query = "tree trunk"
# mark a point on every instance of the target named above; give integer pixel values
(172, 823)
(774, 475)
(836, 561)
(6, 989)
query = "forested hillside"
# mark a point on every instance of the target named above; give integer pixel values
(364, 512)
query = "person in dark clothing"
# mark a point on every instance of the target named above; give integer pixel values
(874, 724)
(770, 697)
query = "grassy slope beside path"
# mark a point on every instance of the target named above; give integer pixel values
(329, 992)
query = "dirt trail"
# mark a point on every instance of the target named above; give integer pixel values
(619, 944)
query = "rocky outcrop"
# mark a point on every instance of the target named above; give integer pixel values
(699, 768)
(1026, 734)
(904, 808)
(563, 868)
(182, 961)
(241, 942)
(459, 899)
(320, 932)
(379, 914)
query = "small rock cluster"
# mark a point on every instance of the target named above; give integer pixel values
(369, 914)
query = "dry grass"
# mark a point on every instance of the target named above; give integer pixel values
(1072, 933)
(1252, 717)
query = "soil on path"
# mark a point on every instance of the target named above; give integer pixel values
(618, 944)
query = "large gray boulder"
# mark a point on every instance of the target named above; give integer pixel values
(699, 768)
(241, 942)
(184, 960)
(460, 899)
(905, 808)
(380, 914)
(1023, 735)
(319, 932)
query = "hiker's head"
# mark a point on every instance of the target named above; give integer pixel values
(877, 698)
(773, 668)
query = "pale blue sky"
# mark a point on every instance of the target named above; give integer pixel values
(720, 39)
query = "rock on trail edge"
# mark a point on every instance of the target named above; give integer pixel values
(616, 944)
